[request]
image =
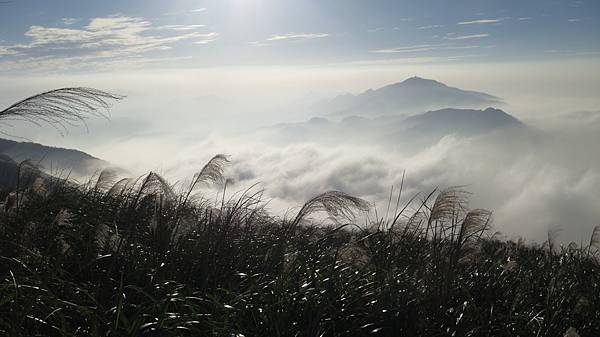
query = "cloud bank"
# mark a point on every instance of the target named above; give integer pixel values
(107, 39)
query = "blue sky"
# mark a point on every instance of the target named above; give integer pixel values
(66, 36)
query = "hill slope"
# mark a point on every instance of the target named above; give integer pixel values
(54, 159)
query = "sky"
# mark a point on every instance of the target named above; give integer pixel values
(207, 77)
(56, 36)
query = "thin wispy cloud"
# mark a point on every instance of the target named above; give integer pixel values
(69, 21)
(207, 38)
(187, 12)
(574, 20)
(480, 22)
(576, 4)
(86, 62)
(4, 51)
(258, 43)
(296, 36)
(412, 60)
(407, 49)
(565, 52)
(286, 37)
(468, 37)
(430, 27)
(180, 27)
(421, 48)
(375, 30)
(103, 39)
(524, 18)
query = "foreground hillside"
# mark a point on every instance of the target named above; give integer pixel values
(138, 258)
(54, 159)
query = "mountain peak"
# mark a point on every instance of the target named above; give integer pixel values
(414, 94)
(415, 80)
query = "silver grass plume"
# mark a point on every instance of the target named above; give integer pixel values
(448, 203)
(118, 187)
(63, 218)
(595, 239)
(60, 107)
(552, 242)
(571, 332)
(334, 203)
(476, 221)
(106, 179)
(212, 172)
(39, 186)
(106, 239)
(157, 185)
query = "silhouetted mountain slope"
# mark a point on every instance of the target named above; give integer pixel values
(421, 129)
(52, 158)
(462, 121)
(9, 174)
(410, 96)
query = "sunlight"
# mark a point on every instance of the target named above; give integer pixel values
(246, 5)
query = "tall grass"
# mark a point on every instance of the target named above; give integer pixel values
(142, 257)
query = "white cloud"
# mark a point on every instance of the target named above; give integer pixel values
(180, 27)
(481, 21)
(524, 18)
(421, 48)
(296, 36)
(468, 37)
(408, 49)
(207, 38)
(187, 12)
(69, 21)
(287, 36)
(375, 30)
(430, 27)
(574, 20)
(257, 44)
(411, 60)
(5, 51)
(540, 186)
(103, 39)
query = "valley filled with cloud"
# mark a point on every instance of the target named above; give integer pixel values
(304, 107)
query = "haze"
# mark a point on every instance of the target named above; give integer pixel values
(208, 77)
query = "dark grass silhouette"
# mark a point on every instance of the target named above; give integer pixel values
(142, 257)
(137, 258)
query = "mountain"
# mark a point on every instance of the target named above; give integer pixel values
(408, 97)
(52, 159)
(461, 121)
(9, 179)
(414, 131)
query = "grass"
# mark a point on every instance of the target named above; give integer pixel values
(140, 258)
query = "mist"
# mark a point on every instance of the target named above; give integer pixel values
(172, 121)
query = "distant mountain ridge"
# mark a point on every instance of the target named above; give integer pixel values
(421, 129)
(76, 162)
(408, 97)
(466, 121)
